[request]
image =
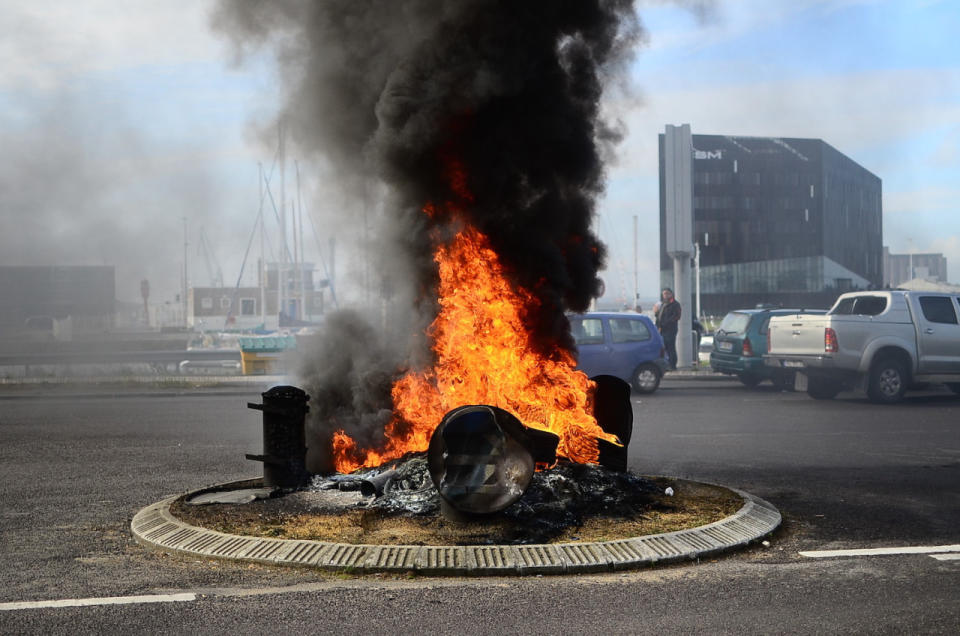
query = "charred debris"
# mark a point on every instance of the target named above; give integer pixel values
(481, 461)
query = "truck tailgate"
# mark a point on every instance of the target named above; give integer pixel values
(797, 335)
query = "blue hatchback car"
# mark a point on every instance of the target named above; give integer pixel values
(627, 346)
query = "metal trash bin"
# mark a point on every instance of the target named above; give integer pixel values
(284, 444)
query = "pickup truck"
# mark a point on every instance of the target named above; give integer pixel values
(883, 342)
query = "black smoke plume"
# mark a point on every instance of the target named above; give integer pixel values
(508, 89)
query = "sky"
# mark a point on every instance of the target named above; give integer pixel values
(120, 120)
(879, 81)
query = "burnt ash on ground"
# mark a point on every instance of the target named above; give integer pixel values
(557, 499)
(568, 503)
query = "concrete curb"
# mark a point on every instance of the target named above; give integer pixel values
(696, 375)
(156, 528)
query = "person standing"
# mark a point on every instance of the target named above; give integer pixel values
(668, 322)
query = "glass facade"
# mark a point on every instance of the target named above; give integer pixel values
(779, 219)
(811, 274)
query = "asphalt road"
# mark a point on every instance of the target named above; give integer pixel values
(846, 474)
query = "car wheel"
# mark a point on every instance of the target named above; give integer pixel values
(784, 380)
(954, 386)
(749, 380)
(822, 389)
(887, 382)
(646, 378)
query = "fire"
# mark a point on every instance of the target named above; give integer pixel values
(484, 355)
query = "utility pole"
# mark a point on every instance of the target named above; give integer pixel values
(636, 270)
(678, 199)
(696, 267)
(183, 298)
(911, 276)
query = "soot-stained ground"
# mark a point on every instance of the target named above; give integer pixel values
(568, 502)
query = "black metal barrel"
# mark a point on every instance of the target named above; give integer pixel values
(614, 413)
(284, 444)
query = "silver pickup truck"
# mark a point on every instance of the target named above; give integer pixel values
(879, 341)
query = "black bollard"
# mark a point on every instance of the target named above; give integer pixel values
(614, 413)
(284, 445)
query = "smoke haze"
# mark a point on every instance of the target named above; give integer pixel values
(102, 156)
(81, 192)
(399, 94)
(387, 90)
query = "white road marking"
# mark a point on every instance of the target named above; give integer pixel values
(946, 557)
(921, 549)
(107, 600)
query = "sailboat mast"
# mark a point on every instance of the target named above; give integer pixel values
(262, 278)
(281, 273)
(301, 270)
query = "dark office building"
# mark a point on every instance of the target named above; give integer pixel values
(33, 296)
(791, 222)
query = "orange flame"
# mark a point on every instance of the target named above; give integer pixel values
(484, 355)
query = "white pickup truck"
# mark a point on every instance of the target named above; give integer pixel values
(879, 341)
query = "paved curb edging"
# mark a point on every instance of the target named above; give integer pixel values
(704, 376)
(156, 528)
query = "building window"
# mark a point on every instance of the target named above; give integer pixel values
(248, 307)
(224, 303)
(206, 303)
(716, 203)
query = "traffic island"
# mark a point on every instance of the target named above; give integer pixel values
(171, 526)
(490, 495)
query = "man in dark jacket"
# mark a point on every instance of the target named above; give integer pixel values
(668, 321)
